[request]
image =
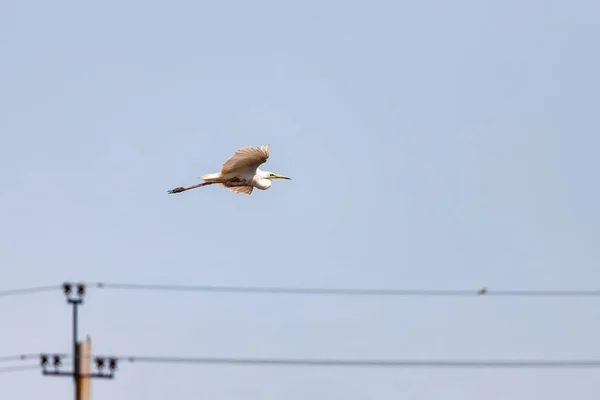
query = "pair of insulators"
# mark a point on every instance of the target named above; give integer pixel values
(55, 361)
(68, 288)
(112, 363)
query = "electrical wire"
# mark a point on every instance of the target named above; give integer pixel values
(30, 290)
(313, 291)
(19, 357)
(343, 292)
(280, 290)
(365, 363)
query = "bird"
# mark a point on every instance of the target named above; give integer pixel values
(240, 173)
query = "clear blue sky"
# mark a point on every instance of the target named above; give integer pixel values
(437, 145)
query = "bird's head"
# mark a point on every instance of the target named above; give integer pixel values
(272, 175)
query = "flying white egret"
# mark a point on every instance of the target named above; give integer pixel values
(240, 174)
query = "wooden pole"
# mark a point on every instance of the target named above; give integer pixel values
(85, 369)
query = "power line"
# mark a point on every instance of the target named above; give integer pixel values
(30, 290)
(314, 291)
(18, 357)
(279, 290)
(22, 357)
(366, 363)
(343, 292)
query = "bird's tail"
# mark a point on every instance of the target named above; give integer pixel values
(211, 177)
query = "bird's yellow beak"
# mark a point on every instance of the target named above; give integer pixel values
(277, 176)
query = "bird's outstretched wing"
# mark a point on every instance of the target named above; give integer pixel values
(246, 158)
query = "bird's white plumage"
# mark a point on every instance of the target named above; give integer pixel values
(241, 172)
(240, 189)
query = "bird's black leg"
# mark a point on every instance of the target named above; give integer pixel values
(176, 190)
(184, 188)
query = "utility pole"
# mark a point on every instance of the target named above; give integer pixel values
(82, 359)
(85, 369)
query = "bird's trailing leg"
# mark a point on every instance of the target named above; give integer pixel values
(184, 188)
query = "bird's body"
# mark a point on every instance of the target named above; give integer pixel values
(240, 174)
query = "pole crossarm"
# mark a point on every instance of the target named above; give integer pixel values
(100, 375)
